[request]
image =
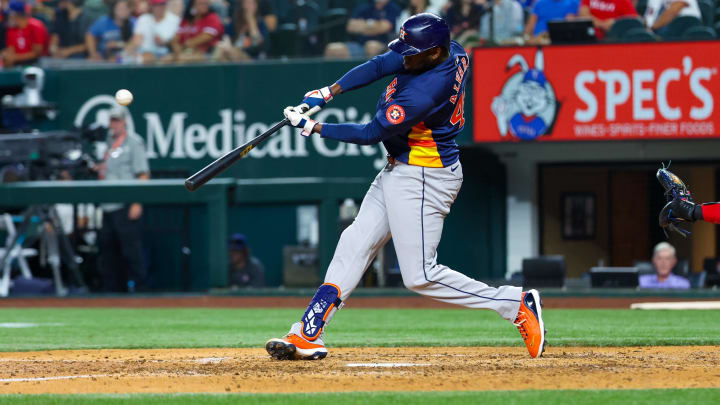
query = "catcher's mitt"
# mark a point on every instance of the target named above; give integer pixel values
(680, 204)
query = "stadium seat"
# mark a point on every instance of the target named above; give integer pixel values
(644, 267)
(622, 26)
(285, 41)
(682, 268)
(702, 32)
(639, 35)
(544, 271)
(707, 9)
(333, 23)
(679, 25)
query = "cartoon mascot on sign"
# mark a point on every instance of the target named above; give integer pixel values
(526, 105)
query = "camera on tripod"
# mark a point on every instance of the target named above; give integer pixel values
(27, 154)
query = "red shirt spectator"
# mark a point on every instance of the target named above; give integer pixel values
(605, 12)
(203, 22)
(26, 38)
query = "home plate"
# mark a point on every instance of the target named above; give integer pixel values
(387, 365)
(677, 305)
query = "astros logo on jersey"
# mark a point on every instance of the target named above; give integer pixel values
(395, 114)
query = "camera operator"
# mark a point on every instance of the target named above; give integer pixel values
(120, 239)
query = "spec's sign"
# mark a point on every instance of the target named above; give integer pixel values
(596, 92)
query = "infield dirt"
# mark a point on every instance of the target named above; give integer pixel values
(358, 369)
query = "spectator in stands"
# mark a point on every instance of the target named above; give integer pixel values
(138, 8)
(153, 33)
(660, 13)
(68, 30)
(544, 11)
(663, 260)
(604, 13)
(120, 239)
(508, 21)
(371, 26)
(413, 7)
(244, 269)
(199, 31)
(249, 36)
(109, 34)
(26, 38)
(463, 17)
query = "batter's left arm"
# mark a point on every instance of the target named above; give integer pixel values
(398, 117)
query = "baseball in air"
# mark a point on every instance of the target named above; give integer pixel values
(123, 97)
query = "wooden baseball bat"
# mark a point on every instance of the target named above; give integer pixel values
(210, 171)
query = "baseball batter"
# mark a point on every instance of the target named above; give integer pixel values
(418, 117)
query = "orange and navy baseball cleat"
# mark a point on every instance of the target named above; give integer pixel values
(295, 347)
(530, 323)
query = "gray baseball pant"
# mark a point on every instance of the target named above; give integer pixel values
(410, 203)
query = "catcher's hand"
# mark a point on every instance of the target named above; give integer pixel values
(680, 206)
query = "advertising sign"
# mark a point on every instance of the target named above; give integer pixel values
(596, 92)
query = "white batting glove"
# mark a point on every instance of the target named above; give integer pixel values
(299, 120)
(316, 98)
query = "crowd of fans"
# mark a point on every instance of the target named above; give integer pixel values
(167, 31)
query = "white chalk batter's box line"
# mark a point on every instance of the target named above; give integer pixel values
(59, 377)
(206, 360)
(387, 365)
(121, 376)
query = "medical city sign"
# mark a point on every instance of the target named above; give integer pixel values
(597, 92)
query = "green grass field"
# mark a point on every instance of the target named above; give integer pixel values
(586, 397)
(95, 328)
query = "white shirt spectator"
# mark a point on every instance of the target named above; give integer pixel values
(148, 28)
(654, 8)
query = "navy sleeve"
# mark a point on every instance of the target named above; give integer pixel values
(361, 134)
(396, 118)
(374, 69)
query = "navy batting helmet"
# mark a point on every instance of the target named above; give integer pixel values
(420, 33)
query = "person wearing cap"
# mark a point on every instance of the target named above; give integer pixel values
(120, 239)
(153, 32)
(417, 119)
(26, 38)
(68, 30)
(244, 270)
